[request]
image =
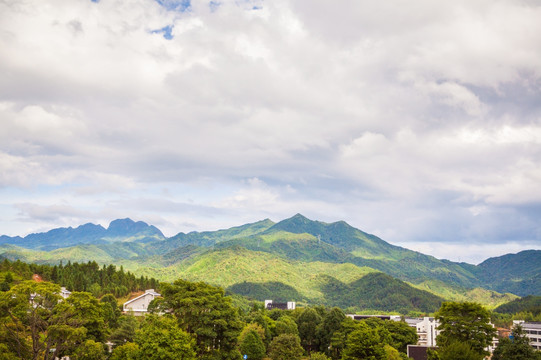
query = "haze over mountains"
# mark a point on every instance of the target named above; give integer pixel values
(296, 258)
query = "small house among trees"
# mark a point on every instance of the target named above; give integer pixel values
(139, 305)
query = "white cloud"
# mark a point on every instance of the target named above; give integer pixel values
(400, 118)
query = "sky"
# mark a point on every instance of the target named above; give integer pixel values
(419, 122)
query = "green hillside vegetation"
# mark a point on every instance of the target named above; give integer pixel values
(529, 303)
(79, 277)
(508, 273)
(488, 298)
(201, 322)
(378, 291)
(210, 238)
(229, 266)
(271, 290)
(296, 260)
(297, 252)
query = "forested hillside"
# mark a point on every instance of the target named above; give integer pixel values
(296, 253)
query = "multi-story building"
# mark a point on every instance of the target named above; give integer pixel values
(427, 330)
(532, 331)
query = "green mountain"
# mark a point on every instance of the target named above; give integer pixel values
(210, 238)
(294, 257)
(380, 292)
(529, 303)
(515, 273)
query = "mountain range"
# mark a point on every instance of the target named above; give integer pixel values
(294, 259)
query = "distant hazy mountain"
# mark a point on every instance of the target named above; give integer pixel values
(118, 230)
(294, 257)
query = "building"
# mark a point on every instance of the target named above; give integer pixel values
(426, 327)
(382, 317)
(418, 352)
(269, 305)
(139, 305)
(427, 330)
(532, 331)
(64, 292)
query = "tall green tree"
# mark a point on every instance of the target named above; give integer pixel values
(307, 323)
(89, 350)
(331, 322)
(465, 322)
(340, 336)
(397, 334)
(125, 332)
(161, 338)
(364, 344)
(111, 310)
(456, 351)
(75, 320)
(25, 312)
(286, 325)
(204, 311)
(285, 347)
(81, 308)
(128, 351)
(252, 346)
(252, 327)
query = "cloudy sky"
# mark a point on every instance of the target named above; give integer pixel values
(419, 122)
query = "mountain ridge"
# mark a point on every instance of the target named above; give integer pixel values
(296, 240)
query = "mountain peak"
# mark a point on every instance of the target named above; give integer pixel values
(121, 223)
(298, 219)
(126, 227)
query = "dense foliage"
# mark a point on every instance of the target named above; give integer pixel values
(464, 323)
(82, 277)
(275, 290)
(529, 303)
(297, 252)
(194, 320)
(379, 291)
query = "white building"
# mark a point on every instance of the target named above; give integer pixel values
(269, 305)
(427, 330)
(139, 305)
(532, 331)
(64, 292)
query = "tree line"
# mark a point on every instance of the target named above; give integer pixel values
(81, 277)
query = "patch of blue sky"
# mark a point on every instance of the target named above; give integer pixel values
(176, 5)
(214, 5)
(251, 4)
(166, 31)
(95, 1)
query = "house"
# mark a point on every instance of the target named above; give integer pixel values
(64, 292)
(532, 330)
(269, 305)
(139, 305)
